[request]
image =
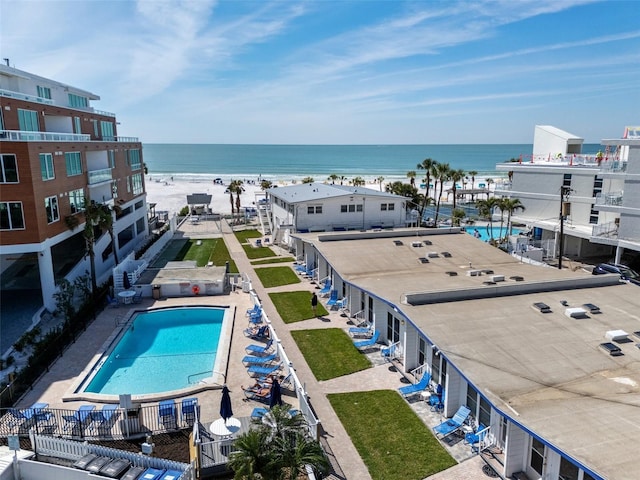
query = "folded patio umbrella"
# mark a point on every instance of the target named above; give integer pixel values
(276, 396)
(125, 281)
(225, 404)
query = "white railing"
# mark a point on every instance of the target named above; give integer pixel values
(419, 371)
(24, 96)
(23, 135)
(99, 176)
(610, 198)
(605, 229)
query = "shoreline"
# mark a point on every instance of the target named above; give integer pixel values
(169, 193)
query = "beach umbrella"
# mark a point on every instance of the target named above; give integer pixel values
(276, 395)
(125, 281)
(225, 404)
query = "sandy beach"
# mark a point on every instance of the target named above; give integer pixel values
(171, 195)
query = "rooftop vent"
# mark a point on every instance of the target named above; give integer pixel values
(637, 334)
(488, 282)
(427, 242)
(576, 312)
(474, 273)
(455, 274)
(517, 278)
(397, 242)
(416, 244)
(424, 260)
(612, 349)
(542, 307)
(446, 254)
(433, 255)
(497, 278)
(617, 336)
(487, 272)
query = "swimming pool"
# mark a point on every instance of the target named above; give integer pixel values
(161, 350)
(484, 232)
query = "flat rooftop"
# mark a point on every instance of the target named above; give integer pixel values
(545, 371)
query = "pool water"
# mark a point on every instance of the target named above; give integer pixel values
(160, 351)
(484, 232)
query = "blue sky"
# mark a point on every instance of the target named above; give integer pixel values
(339, 72)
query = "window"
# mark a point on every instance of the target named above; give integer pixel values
(387, 206)
(28, 120)
(51, 206)
(76, 200)
(537, 455)
(11, 217)
(136, 183)
(77, 101)
(46, 166)
(77, 127)
(107, 130)
(484, 415)
(568, 471)
(44, 92)
(133, 157)
(472, 400)
(314, 209)
(566, 180)
(111, 155)
(593, 215)
(74, 163)
(351, 208)
(391, 206)
(422, 351)
(8, 169)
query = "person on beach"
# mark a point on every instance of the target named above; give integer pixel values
(314, 303)
(476, 233)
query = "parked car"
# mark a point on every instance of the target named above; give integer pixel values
(625, 272)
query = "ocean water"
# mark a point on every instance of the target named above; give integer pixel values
(293, 162)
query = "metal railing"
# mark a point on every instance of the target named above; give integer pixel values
(99, 176)
(24, 96)
(94, 424)
(605, 229)
(610, 198)
(23, 135)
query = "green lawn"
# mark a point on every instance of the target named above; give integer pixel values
(276, 276)
(273, 260)
(257, 252)
(295, 306)
(245, 236)
(329, 352)
(393, 442)
(210, 250)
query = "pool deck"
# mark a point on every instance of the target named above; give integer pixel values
(53, 386)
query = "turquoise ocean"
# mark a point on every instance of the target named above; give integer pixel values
(203, 162)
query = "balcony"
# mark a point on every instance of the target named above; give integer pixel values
(22, 136)
(24, 96)
(99, 176)
(609, 229)
(613, 199)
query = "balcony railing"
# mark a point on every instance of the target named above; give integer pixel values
(127, 139)
(608, 163)
(610, 198)
(24, 96)
(609, 229)
(99, 176)
(21, 136)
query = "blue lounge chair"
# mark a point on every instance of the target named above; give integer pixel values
(254, 309)
(188, 411)
(257, 333)
(167, 414)
(258, 413)
(300, 268)
(475, 437)
(326, 289)
(453, 424)
(368, 330)
(256, 317)
(437, 399)
(112, 302)
(254, 360)
(103, 419)
(254, 370)
(416, 387)
(333, 298)
(368, 342)
(260, 349)
(340, 304)
(80, 418)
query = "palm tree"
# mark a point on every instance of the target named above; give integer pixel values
(357, 181)
(489, 182)
(266, 184)
(511, 205)
(441, 173)
(472, 174)
(280, 450)
(427, 165)
(235, 187)
(342, 179)
(455, 176)
(333, 177)
(456, 217)
(411, 174)
(380, 179)
(307, 180)
(485, 209)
